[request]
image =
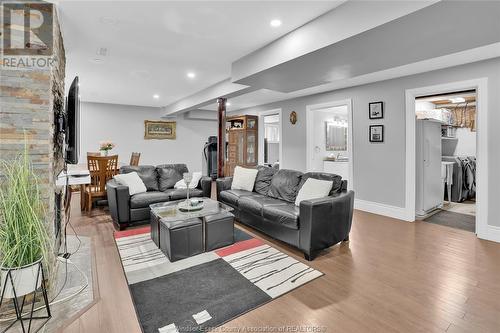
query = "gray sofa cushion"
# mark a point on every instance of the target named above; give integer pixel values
(232, 196)
(263, 179)
(169, 174)
(336, 179)
(181, 193)
(146, 172)
(255, 203)
(142, 200)
(284, 185)
(286, 215)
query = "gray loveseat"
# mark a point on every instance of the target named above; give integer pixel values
(160, 180)
(270, 208)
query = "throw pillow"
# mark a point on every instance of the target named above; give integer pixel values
(313, 189)
(194, 182)
(244, 179)
(132, 181)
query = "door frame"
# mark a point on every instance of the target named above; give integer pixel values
(483, 229)
(310, 109)
(262, 134)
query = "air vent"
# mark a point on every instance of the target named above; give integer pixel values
(102, 51)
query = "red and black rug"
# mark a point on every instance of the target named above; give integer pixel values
(206, 290)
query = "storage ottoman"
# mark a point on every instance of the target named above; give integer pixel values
(219, 230)
(181, 239)
(155, 228)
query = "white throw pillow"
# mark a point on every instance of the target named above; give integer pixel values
(313, 189)
(244, 179)
(133, 181)
(194, 182)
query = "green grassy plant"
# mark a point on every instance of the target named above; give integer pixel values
(23, 235)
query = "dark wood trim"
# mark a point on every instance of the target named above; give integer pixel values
(221, 137)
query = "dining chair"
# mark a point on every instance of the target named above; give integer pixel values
(134, 158)
(83, 197)
(102, 169)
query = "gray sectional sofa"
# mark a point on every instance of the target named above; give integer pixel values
(270, 208)
(159, 180)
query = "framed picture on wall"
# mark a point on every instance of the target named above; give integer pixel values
(377, 133)
(376, 110)
(157, 129)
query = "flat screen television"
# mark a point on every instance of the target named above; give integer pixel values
(73, 123)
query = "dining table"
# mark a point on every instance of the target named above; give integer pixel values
(78, 175)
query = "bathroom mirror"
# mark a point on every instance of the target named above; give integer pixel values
(336, 135)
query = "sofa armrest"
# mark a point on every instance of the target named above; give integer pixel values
(118, 201)
(223, 184)
(325, 222)
(205, 185)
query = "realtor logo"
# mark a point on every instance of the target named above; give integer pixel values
(27, 33)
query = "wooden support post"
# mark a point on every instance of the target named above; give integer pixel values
(221, 135)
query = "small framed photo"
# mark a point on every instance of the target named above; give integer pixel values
(376, 110)
(377, 133)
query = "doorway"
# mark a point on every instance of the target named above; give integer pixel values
(329, 139)
(270, 138)
(482, 228)
(446, 159)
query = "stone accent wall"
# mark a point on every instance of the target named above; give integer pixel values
(29, 101)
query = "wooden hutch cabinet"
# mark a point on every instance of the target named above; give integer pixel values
(242, 142)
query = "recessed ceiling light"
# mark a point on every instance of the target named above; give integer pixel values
(156, 96)
(275, 23)
(228, 104)
(457, 100)
(191, 75)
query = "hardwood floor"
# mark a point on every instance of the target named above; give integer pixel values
(392, 276)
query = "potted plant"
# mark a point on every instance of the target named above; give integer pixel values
(24, 240)
(105, 147)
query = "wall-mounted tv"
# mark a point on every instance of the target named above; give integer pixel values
(73, 123)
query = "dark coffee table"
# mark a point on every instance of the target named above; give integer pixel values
(176, 232)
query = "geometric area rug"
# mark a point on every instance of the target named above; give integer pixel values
(206, 290)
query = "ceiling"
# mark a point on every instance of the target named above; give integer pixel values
(450, 99)
(127, 51)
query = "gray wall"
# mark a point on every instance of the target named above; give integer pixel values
(379, 169)
(124, 125)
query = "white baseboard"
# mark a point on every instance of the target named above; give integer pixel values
(492, 233)
(383, 209)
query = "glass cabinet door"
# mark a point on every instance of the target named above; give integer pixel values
(251, 148)
(241, 144)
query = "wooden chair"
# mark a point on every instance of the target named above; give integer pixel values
(102, 169)
(134, 158)
(83, 198)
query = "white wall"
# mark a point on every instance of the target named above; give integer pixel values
(466, 143)
(379, 168)
(124, 125)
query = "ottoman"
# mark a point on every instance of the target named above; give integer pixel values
(219, 230)
(181, 239)
(155, 228)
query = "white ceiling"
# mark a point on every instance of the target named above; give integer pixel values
(151, 45)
